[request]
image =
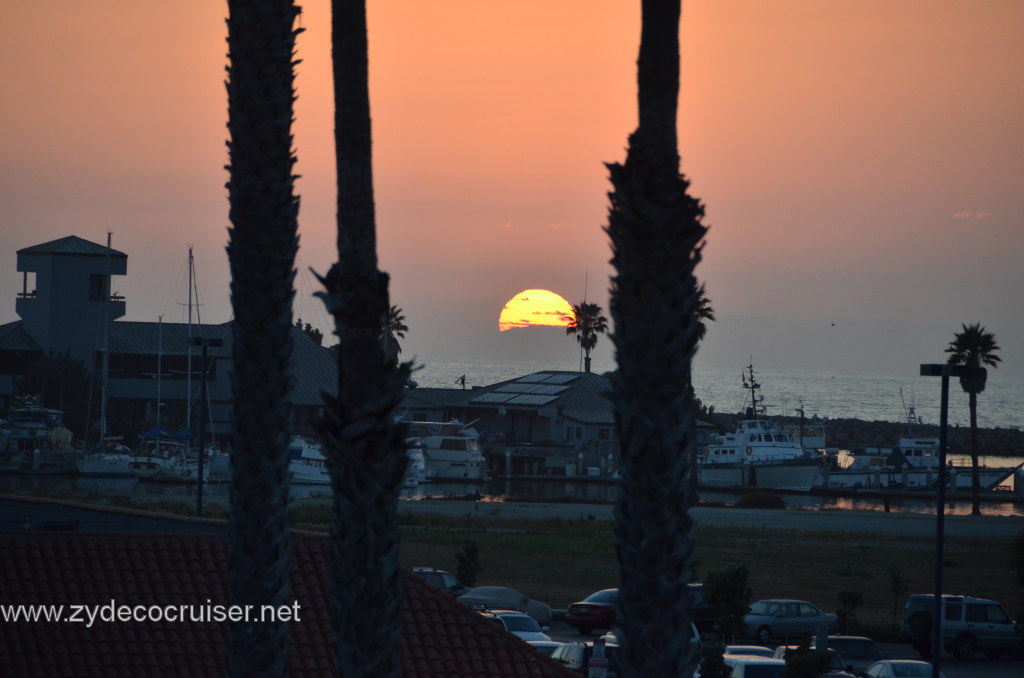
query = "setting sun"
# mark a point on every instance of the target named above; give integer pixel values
(535, 307)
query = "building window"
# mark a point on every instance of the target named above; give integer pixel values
(97, 287)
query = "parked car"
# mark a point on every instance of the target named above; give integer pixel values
(785, 618)
(596, 611)
(519, 624)
(755, 650)
(503, 598)
(899, 668)
(440, 579)
(858, 652)
(704, 614)
(576, 656)
(695, 640)
(751, 666)
(544, 646)
(837, 667)
(968, 624)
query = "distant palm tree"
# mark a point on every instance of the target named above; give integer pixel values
(365, 448)
(704, 312)
(655, 230)
(261, 252)
(393, 330)
(974, 347)
(587, 322)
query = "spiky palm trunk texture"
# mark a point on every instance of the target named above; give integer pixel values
(365, 449)
(261, 251)
(655, 229)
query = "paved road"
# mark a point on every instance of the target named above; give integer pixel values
(905, 524)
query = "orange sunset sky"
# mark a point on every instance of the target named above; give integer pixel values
(861, 162)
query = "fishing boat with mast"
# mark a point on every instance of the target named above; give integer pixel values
(759, 454)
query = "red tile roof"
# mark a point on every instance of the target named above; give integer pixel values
(441, 638)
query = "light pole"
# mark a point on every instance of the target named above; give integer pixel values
(204, 342)
(945, 371)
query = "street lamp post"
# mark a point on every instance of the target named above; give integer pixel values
(945, 371)
(205, 343)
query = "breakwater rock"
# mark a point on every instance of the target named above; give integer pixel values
(849, 433)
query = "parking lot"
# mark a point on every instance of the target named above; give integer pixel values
(979, 667)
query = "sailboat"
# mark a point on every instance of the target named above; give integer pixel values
(166, 456)
(111, 458)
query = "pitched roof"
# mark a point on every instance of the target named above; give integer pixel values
(580, 396)
(440, 637)
(71, 244)
(13, 337)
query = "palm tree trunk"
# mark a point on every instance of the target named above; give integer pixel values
(975, 481)
(261, 251)
(365, 449)
(655, 229)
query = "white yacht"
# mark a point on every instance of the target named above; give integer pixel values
(451, 450)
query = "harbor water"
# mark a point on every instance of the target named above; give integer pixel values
(864, 396)
(870, 397)
(134, 492)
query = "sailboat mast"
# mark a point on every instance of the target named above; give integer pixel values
(159, 370)
(188, 395)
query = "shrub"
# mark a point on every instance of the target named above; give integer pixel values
(761, 499)
(469, 563)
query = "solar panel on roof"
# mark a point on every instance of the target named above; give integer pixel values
(532, 378)
(560, 378)
(531, 400)
(548, 389)
(493, 397)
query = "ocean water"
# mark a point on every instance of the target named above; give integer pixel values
(870, 397)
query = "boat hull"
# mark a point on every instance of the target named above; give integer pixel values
(105, 465)
(960, 478)
(454, 465)
(167, 471)
(796, 475)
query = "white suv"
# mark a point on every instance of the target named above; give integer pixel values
(968, 624)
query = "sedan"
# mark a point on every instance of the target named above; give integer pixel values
(755, 650)
(900, 668)
(785, 618)
(596, 611)
(519, 624)
(503, 598)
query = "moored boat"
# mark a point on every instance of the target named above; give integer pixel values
(758, 454)
(308, 465)
(112, 462)
(306, 462)
(912, 464)
(37, 441)
(166, 458)
(451, 450)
